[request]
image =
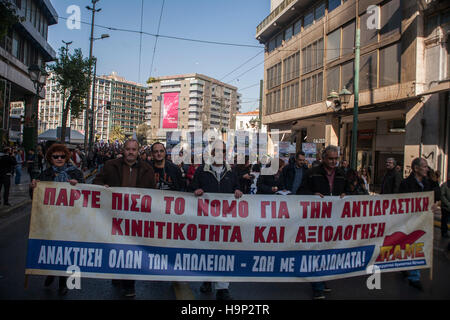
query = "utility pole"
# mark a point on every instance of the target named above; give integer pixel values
(86, 113)
(356, 99)
(63, 139)
(260, 104)
(92, 118)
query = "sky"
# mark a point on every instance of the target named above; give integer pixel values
(229, 21)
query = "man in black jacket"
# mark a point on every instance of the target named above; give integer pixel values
(416, 182)
(392, 178)
(325, 180)
(216, 178)
(167, 175)
(7, 165)
(293, 174)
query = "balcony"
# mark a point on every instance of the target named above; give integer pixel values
(281, 16)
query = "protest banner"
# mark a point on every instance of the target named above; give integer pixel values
(146, 234)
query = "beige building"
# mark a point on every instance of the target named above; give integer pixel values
(189, 102)
(403, 77)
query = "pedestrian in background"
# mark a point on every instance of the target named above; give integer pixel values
(60, 170)
(18, 169)
(445, 207)
(392, 178)
(7, 165)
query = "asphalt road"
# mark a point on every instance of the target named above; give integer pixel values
(13, 246)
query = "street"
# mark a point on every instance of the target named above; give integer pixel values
(14, 228)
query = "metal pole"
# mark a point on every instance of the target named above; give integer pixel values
(260, 103)
(63, 139)
(91, 135)
(86, 113)
(356, 101)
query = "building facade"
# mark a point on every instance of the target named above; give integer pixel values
(189, 102)
(24, 44)
(117, 102)
(310, 53)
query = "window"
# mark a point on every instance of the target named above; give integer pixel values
(368, 36)
(391, 18)
(319, 11)
(291, 67)
(368, 71)
(288, 33)
(333, 79)
(309, 19)
(312, 89)
(333, 45)
(298, 26)
(347, 75)
(390, 65)
(313, 56)
(333, 4)
(348, 38)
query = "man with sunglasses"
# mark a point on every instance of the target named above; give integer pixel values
(217, 177)
(325, 180)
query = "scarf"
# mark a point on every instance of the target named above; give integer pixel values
(62, 173)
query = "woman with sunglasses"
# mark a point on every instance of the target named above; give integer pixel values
(59, 170)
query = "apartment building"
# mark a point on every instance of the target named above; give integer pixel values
(51, 108)
(24, 44)
(403, 77)
(117, 102)
(190, 102)
(127, 104)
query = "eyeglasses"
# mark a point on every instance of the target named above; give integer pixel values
(58, 156)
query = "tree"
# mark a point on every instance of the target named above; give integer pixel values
(71, 74)
(141, 133)
(116, 133)
(8, 17)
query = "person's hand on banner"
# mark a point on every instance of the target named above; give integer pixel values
(319, 194)
(198, 192)
(238, 194)
(73, 182)
(34, 183)
(342, 195)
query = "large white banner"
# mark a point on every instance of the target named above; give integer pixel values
(146, 234)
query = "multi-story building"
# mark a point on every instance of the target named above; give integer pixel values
(25, 44)
(403, 77)
(127, 103)
(51, 108)
(190, 102)
(126, 110)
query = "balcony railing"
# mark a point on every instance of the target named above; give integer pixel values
(273, 14)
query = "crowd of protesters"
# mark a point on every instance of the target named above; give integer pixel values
(131, 165)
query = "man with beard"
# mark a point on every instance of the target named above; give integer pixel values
(167, 175)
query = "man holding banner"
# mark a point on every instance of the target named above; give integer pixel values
(216, 178)
(325, 180)
(127, 171)
(416, 182)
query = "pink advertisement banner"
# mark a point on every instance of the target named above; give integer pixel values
(170, 110)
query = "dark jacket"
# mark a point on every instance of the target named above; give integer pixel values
(391, 182)
(288, 175)
(244, 184)
(112, 172)
(49, 175)
(7, 164)
(316, 181)
(266, 182)
(205, 179)
(410, 185)
(172, 175)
